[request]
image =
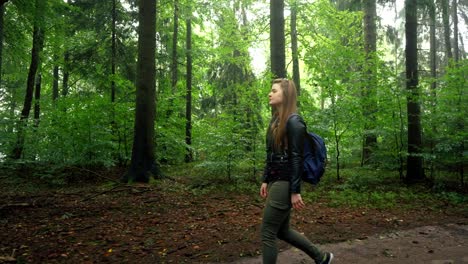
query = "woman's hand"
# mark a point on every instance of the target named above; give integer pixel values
(263, 190)
(296, 201)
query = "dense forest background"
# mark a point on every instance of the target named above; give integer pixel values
(383, 82)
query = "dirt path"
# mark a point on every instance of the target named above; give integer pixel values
(446, 244)
(166, 223)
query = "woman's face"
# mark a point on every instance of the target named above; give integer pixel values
(276, 95)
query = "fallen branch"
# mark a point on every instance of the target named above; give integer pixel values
(126, 187)
(14, 205)
(100, 193)
(177, 249)
(4, 259)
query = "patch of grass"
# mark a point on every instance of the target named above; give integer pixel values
(380, 189)
(453, 198)
(357, 187)
(353, 198)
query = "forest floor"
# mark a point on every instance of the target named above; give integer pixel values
(168, 222)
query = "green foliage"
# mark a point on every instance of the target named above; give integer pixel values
(230, 110)
(337, 78)
(80, 132)
(226, 145)
(25, 176)
(380, 189)
(170, 140)
(453, 198)
(196, 178)
(450, 118)
(354, 198)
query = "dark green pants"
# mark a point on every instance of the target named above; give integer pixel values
(276, 216)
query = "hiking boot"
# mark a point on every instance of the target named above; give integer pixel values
(328, 258)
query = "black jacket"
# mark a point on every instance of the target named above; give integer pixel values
(288, 162)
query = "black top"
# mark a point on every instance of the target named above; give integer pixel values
(289, 161)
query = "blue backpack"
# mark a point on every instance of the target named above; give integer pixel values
(315, 158)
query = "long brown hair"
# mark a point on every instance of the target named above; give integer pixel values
(289, 106)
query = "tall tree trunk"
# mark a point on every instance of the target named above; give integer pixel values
(174, 75)
(113, 124)
(446, 22)
(433, 47)
(399, 115)
(294, 48)
(460, 121)
(462, 46)
(66, 73)
(433, 63)
(174, 72)
(456, 50)
(38, 43)
(55, 81)
(114, 52)
(188, 98)
(66, 64)
(414, 164)
(143, 164)
(277, 39)
(11, 110)
(37, 100)
(2, 12)
(369, 92)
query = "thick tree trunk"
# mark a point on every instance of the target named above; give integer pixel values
(277, 39)
(55, 81)
(66, 73)
(66, 67)
(37, 100)
(188, 98)
(369, 93)
(143, 164)
(456, 50)
(38, 43)
(433, 48)
(114, 51)
(2, 12)
(38, 40)
(294, 49)
(433, 63)
(446, 22)
(414, 164)
(174, 68)
(462, 46)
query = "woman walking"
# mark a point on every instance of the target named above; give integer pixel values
(282, 178)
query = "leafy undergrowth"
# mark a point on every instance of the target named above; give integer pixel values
(170, 221)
